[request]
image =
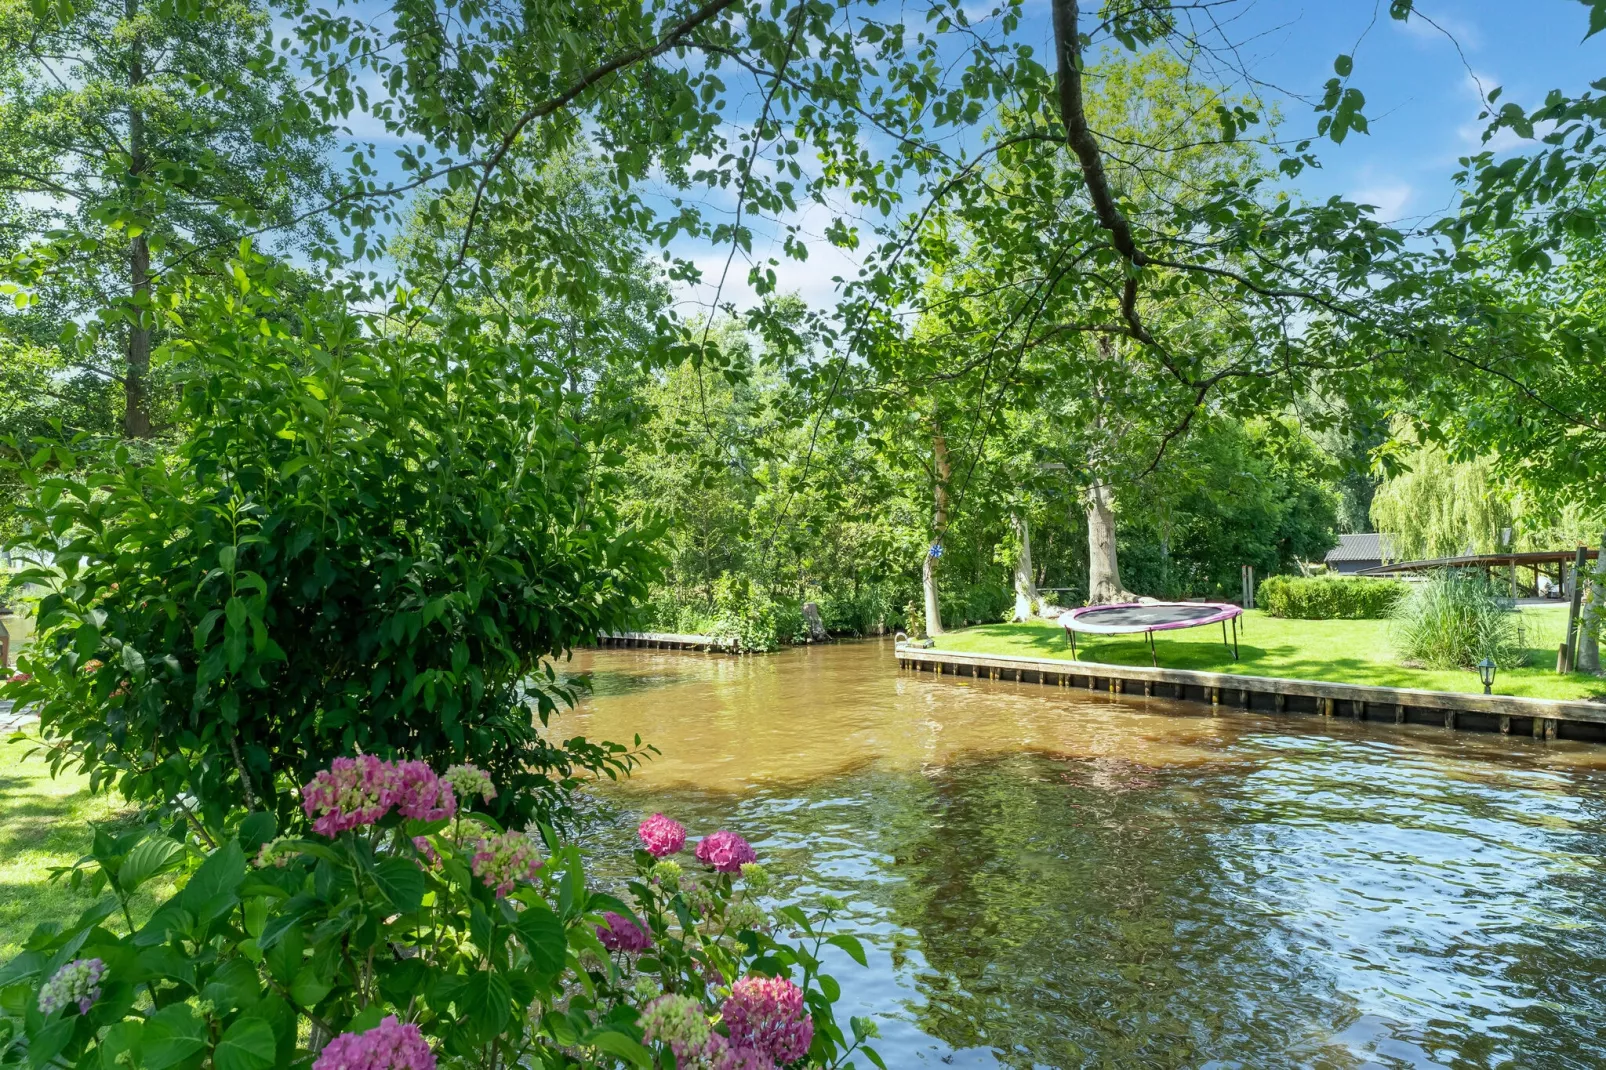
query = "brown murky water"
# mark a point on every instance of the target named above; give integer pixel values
(1052, 878)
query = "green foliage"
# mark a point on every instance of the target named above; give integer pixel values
(369, 539)
(1455, 619)
(255, 967)
(1329, 597)
(1231, 495)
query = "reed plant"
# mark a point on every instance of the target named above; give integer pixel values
(1455, 620)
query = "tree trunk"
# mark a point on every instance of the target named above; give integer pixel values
(939, 528)
(136, 401)
(1103, 570)
(1025, 578)
(1594, 615)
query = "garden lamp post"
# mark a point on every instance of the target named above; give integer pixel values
(1486, 674)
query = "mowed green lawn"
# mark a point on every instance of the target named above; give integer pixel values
(1342, 651)
(43, 823)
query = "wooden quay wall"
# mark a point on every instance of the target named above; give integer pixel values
(1505, 714)
(668, 641)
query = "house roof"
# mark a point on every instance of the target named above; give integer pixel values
(1370, 546)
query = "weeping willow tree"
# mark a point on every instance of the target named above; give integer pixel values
(1440, 507)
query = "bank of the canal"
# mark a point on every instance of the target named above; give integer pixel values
(1050, 877)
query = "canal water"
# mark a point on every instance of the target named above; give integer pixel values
(1051, 878)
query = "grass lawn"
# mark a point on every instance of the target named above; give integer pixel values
(1341, 651)
(43, 823)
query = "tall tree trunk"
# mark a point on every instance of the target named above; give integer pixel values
(136, 401)
(1594, 615)
(1103, 570)
(939, 528)
(1025, 578)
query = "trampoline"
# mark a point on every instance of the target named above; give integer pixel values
(1149, 617)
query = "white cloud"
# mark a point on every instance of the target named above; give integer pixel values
(1388, 199)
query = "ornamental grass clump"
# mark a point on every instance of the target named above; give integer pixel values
(1453, 620)
(411, 933)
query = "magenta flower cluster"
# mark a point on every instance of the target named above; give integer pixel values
(362, 790)
(504, 860)
(77, 982)
(619, 933)
(661, 835)
(390, 1045)
(725, 851)
(767, 1015)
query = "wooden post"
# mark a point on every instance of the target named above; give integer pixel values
(1569, 649)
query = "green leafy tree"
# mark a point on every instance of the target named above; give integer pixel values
(369, 538)
(147, 139)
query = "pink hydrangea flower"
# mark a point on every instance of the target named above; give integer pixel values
(504, 860)
(766, 1014)
(661, 835)
(725, 851)
(423, 795)
(351, 792)
(390, 1045)
(621, 934)
(721, 1053)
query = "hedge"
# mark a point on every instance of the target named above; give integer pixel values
(1329, 597)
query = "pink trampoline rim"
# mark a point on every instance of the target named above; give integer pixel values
(1072, 618)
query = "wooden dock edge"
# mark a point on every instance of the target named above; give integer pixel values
(1505, 714)
(710, 644)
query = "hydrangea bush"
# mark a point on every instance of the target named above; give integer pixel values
(410, 932)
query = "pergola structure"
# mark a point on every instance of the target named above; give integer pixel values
(1541, 561)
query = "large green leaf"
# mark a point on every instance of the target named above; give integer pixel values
(543, 937)
(248, 1044)
(616, 1043)
(172, 1035)
(149, 858)
(211, 890)
(401, 882)
(488, 1002)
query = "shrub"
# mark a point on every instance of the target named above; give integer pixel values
(369, 538)
(1329, 597)
(422, 931)
(1455, 620)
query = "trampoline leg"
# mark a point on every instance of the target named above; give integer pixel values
(1153, 658)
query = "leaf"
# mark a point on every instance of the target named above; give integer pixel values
(616, 1043)
(851, 945)
(248, 1044)
(211, 891)
(542, 935)
(149, 858)
(172, 1035)
(257, 829)
(123, 1038)
(487, 1000)
(401, 882)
